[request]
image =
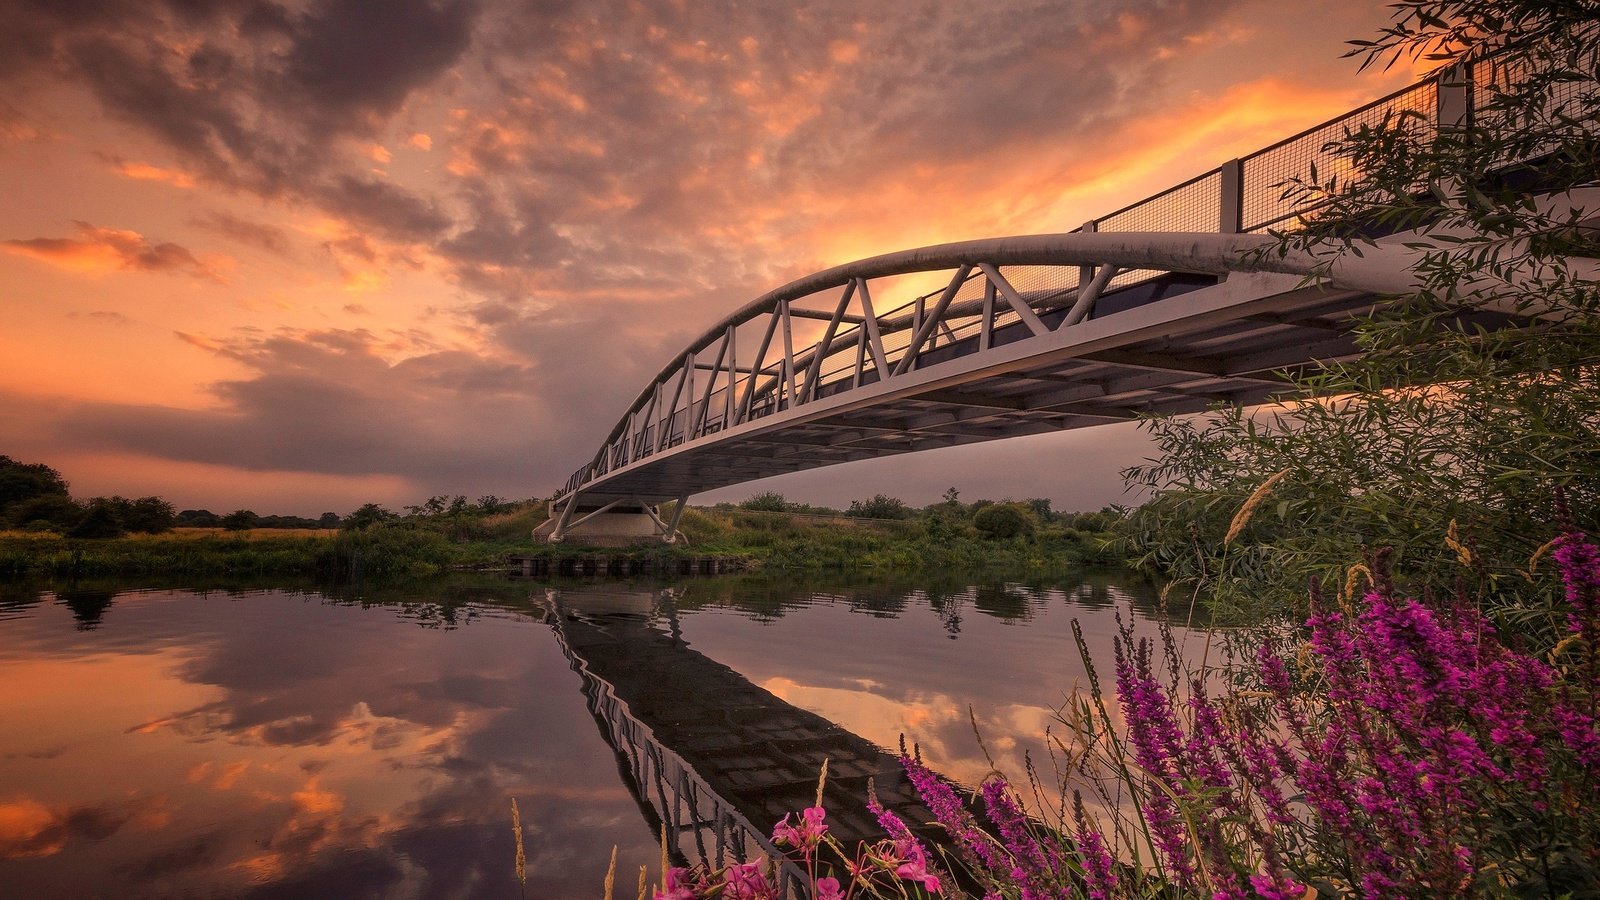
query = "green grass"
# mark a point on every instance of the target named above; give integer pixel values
(791, 541)
(419, 547)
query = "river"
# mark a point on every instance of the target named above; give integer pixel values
(305, 743)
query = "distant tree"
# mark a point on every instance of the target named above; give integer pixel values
(199, 518)
(365, 517)
(24, 481)
(240, 520)
(328, 520)
(879, 507)
(150, 515)
(1003, 520)
(489, 504)
(951, 495)
(1040, 507)
(46, 512)
(100, 520)
(458, 506)
(767, 501)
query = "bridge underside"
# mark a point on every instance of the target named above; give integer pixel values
(1208, 341)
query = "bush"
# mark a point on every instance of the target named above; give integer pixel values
(879, 507)
(770, 501)
(368, 515)
(58, 511)
(100, 520)
(149, 515)
(1002, 521)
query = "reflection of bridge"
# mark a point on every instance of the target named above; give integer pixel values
(1158, 308)
(710, 757)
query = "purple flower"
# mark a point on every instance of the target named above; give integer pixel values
(1099, 869)
(1268, 887)
(1579, 563)
(947, 809)
(1038, 856)
(828, 889)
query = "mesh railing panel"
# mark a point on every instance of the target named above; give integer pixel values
(1565, 109)
(1195, 206)
(1266, 171)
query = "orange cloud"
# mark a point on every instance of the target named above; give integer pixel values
(146, 172)
(99, 250)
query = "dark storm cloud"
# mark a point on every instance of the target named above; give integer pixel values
(254, 97)
(635, 128)
(355, 57)
(255, 234)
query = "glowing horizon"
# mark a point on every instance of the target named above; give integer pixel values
(298, 259)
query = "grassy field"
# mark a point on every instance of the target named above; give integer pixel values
(428, 545)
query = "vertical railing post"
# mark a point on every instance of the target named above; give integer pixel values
(1454, 88)
(1232, 205)
(1086, 273)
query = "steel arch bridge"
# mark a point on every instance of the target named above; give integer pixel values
(1166, 306)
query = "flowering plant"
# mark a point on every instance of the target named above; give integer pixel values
(1403, 749)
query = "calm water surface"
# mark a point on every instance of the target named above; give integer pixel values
(280, 743)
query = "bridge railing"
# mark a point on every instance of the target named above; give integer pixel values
(833, 332)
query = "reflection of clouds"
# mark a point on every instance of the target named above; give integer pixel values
(29, 828)
(940, 724)
(303, 749)
(1012, 667)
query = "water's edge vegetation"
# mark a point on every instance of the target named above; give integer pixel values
(975, 536)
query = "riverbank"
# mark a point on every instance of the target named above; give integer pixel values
(428, 545)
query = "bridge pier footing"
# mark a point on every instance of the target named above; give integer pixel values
(610, 522)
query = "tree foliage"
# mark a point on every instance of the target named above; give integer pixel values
(366, 516)
(881, 506)
(1447, 440)
(766, 501)
(25, 481)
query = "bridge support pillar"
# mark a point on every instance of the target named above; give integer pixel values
(609, 522)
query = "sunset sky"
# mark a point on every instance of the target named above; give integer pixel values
(301, 256)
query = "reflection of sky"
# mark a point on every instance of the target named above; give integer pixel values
(279, 745)
(882, 662)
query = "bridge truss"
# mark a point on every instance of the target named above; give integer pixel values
(1170, 305)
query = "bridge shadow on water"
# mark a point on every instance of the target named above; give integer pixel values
(709, 756)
